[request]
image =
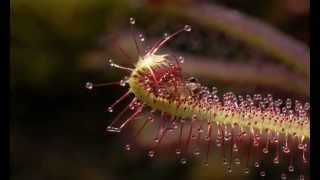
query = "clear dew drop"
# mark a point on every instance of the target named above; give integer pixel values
(229, 170)
(301, 177)
(235, 148)
(265, 150)
(262, 173)
(290, 168)
(214, 90)
(141, 37)
(283, 176)
(225, 162)
(196, 152)
(187, 28)
(110, 109)
(165, 35)
(111, 63)
(276, 160)
(181, 59)
(256, 164)
(246, 170)
(205, 163)
(178, 151)
(89, 85)
(132, 20)
(128, 147)
(151, 153)
(113, 129)
(183, 161)
(218, 143)
(236, 161)
(156, 140)
(300, 146)
(286, 149)
(122, 83)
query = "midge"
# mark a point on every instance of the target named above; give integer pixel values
(250, 129)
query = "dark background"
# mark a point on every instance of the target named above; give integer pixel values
(57, 126)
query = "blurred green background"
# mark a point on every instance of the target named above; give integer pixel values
(57, 126)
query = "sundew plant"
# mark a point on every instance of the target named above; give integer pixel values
(249, 130)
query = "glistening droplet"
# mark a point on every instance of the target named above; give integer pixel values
(132, 20)
(128, 147)
(122, 83)
(290, 168)
(141, 37)
(276, 160)
(246, 170)
(151, 153)
(178, 151)
(283, 176)
(301, 177)
(89, 85)
(265, 150)
(286, 149)
(183, 160)
(181, 59)
(236, 161)
(113, 129)
(111, 63)
(187, 28)
(196, 152)
(262, 173)
(256, 164)
(110, 109)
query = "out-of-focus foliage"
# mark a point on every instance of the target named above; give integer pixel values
(57, 126)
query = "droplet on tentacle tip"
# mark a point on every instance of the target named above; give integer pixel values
(178, 151)
(276, 160)
(246, 170)
(229, 170)
(206, 163)
(123, 81)
(132, 20)
(156, 140)
(291, 168)
(181, 59)
(286, 149)
(89, 85)
(236, 161)
(196, 152)
(187, 28)
(283, 176)
(111, 63)
(110, 109)
(265, 150)
(225, 162)
(214, 90)
(113, 129)
(301, 177)
(151, 153)
(183, 161)
(128, 147)
(262, 173)
(141, 37)
(256, 164)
